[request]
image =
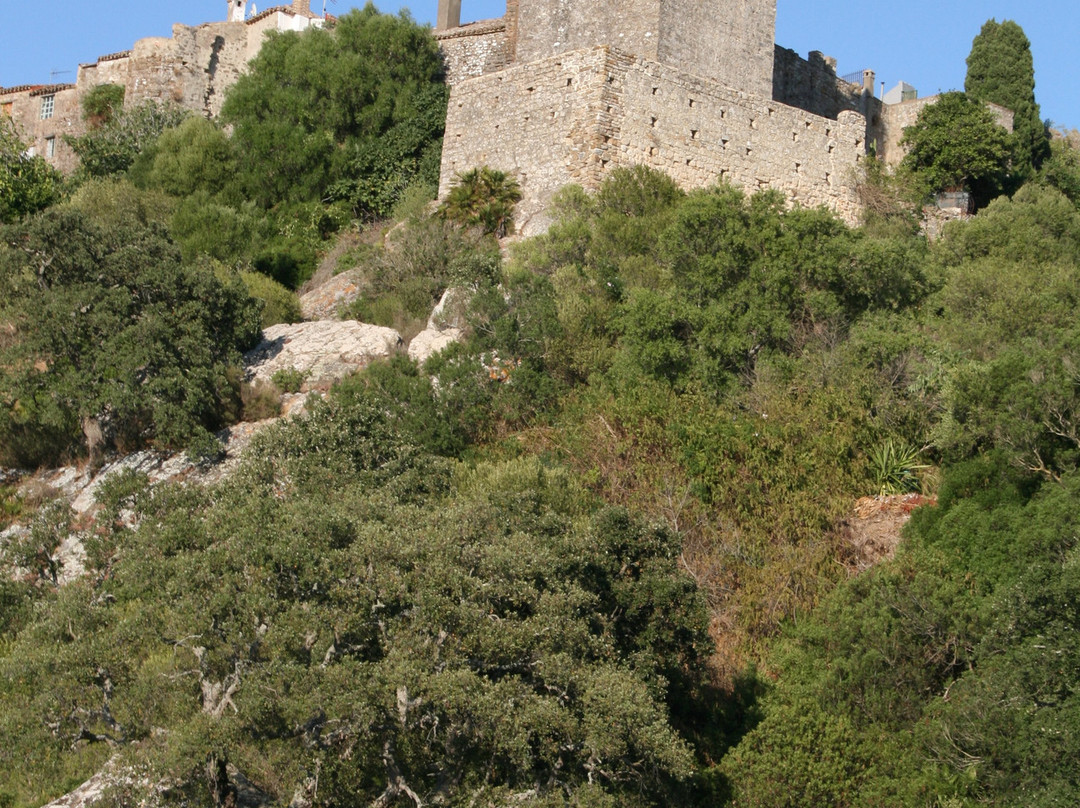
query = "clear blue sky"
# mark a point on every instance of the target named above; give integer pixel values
(922, 42)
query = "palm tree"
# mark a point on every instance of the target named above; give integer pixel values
(483, 197)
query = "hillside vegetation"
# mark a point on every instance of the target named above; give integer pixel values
(597, 553)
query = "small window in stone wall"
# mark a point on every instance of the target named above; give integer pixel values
(50, 147)
(48, 104)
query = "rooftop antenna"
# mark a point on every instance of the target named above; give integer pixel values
(54, 73)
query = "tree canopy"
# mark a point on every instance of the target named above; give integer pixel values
(111, 148)
(352, 621)
(110, 329)
(352, 112)
(955, 144)
(1001, 70)
(27, 184)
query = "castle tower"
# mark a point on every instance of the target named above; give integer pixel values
(236, 10)
(728, 41)
(449, 15)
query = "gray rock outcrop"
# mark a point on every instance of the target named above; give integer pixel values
(445, 326)
(325, 301)
(325, 351)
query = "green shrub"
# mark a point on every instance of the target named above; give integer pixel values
(280, 305)
(289, 380)
(27, 184)
(352, 112)
(102, 103)
(194, 156)
(957, 144)
(260, 400)
(895, 466)
(202, 226)
(115, 335)
(114, 147)
(108, 200)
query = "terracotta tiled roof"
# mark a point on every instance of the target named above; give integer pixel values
(22, 88)
(112, 57)
(262, 15)
(49, 89)
(473, 29)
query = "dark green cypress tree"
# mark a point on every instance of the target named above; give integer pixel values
(1001, 70)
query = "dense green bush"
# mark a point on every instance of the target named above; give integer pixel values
(353, 112)
(280, 305)
(352, 608)
(484, 198)
(942, 673)
(27, 184)
(194, 156)
(115, 339)
(956, 144)
(113, 148)
(102, 103)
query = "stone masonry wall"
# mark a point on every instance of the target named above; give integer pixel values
(812, 84)
(474, 50)
(112, 69)
(538, 122)
(700, 132)
(729, 41)
(66, 119)
(192, 68)
(571, 117)
(556, 26)
(897, 117)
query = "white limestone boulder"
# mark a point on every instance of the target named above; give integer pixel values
(431, 341)
(445, 326)
(326, 300)
(325, 351)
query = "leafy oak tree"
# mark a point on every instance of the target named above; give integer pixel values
(113, 339)
(1001, 70)
(112, 148)
(957, 144)
(351, 112)
(27, 184)
(349, 621)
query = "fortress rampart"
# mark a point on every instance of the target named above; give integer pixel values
(565, 90)
(578, 114)
(560, 91)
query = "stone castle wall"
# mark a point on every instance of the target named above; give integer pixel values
(559, 26)
(539, 122)
(574, 116)
(812, 84)
(700, 132)
(728, 41)
(897, 117)
(192, 68)
(723, 40)
(112, 69)
(474, 50)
